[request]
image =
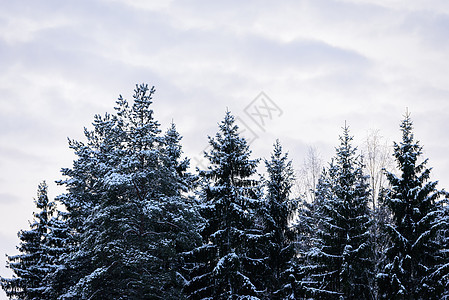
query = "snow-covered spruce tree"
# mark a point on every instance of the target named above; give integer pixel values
(278, 210)
(126, 207)
(340, 261)
(84, 192)
(35, 261)
(223, 267)
(56, 244)
(173, 153)
(440, 275)
(305, 226)
(415, 256)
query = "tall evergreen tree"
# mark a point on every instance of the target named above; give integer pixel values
(306, 227)
(277, 214)
(440, 273)
(415, 255)
(126, 207)
(84, 192)
(223, 266)
(175, 162)
(57, 240)
(34, 262)
(340, 262)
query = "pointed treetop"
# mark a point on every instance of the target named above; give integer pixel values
(345, 149)
(230, 154)
(407, 151)
(277, 148)
(141, 112)
(229, 119)
(46, 208)
(229, 132)
(42, 199)
(281, 174)
(407, 129)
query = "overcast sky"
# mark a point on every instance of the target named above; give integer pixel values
(319, 63)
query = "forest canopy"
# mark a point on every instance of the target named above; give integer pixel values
(136, 222)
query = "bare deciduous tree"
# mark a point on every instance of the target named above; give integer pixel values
(378, 158)
(308, 174)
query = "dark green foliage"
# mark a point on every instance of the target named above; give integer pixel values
(126, 208)
(340, 259)
(172, 153)
(277, 213)
(39, 249)
(415, 251)
(224, 266)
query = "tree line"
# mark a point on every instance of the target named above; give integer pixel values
(134, 223)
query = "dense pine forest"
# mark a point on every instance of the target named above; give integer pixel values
(137, 223)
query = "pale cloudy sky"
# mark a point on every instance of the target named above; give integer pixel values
(320, 62)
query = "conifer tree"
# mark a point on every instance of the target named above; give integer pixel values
(340, 261)
(56, 244)
(415, 256)
(34, 262)
(126, 207)
(223, 266)
(84, 193)
(175, 162)
(277, 214)
(306, 227)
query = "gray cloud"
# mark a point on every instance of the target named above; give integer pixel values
(6, 198)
